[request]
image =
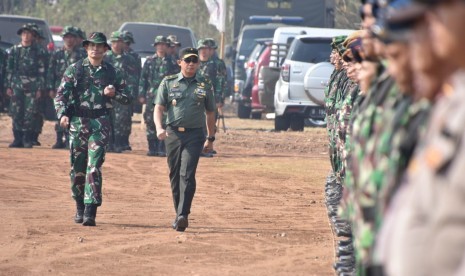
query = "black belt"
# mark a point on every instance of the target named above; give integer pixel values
(182, 129)
(91, 113)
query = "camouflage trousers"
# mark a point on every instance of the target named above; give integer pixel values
(150, 129)
(122, 119)
(88, 141)
(22, 109)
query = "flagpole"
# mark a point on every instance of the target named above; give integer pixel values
(222, 45)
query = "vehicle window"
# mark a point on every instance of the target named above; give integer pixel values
(11, 25)
(248, 39)
(144, 34)
(310, 50)
(257, 52)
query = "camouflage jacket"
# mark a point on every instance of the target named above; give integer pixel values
(82, 87)
(3, 60)
(26, 67)
(126, 64)
(221, 76)
(154, 70)
(136, 74)
(209, 69)
(59, 61)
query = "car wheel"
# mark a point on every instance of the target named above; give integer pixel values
(315, 123)
(281, 123)
(243, 111)
(297, 123)
(256, 115)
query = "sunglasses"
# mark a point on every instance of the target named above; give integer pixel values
(191, 59)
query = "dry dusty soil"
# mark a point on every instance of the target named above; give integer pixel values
(258, 209)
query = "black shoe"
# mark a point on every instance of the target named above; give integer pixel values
(35, 139)
(90, 213)
(16, 144)
(161, 154)
(80, 207)
(181, 224)
(152, 153)
(59, 145)
(207, 154)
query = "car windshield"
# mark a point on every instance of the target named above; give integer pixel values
(248, 39)
(10, 25)
(144, 35)
(313, 50)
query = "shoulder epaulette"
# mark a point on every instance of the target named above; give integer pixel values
(171, 76)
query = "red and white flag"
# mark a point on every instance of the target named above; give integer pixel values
(217, 10)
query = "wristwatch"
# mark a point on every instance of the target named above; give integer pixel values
(211, 138)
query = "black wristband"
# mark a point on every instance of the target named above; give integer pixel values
(211, 138)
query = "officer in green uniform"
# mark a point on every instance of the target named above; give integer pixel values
(189, 102)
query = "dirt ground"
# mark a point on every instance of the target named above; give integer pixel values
(258, 209)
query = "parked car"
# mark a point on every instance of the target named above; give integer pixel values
(10, 24)
(245, 45)
(292, 104)
(145, 33)
(244, 97)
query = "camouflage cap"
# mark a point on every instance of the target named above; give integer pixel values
(203, 43)
(28, 27)
(337, 40)
(174, 40)
(128, 37)
(211, 42)
(160, 39)
(80, 32)
(187, 52)
(97, 38)
(116, 36)
(69, 30)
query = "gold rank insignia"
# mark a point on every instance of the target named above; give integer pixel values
(174, 102)
(176, 85)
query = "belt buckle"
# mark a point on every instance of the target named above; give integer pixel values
(181, 129)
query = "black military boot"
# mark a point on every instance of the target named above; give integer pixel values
(79, 218)
(152, 147)
(27, 139)
(125, 140)
(90, 212)
(117, 148)
(35, 139)
(18, 139)
(59, 143)
(161, 149)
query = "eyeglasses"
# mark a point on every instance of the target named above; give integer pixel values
(191, 59)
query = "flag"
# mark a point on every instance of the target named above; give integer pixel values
(217, 11)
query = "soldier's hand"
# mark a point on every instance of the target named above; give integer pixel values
(38, 94)
(142, 100)
(64, 121)
(161, 134)
(109, 91)
(9, 92)
(52, 93)
(207, 147)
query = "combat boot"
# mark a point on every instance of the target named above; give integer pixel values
(27, 139)
(90, 212)
(35, 139)
(80, 207)
(161, 149)
(152, 147)
(18, 139)
(59, 143)
(125, 141)
(117, 146)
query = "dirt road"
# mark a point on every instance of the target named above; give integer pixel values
(258, 209)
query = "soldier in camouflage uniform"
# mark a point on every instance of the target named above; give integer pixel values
(59, 61)
(3, 58)
(173, 49)
(82, 102)
(155, 69)
(122, 114)
(136, 105)
(24, 82)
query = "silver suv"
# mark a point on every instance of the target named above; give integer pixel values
(292, 103)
